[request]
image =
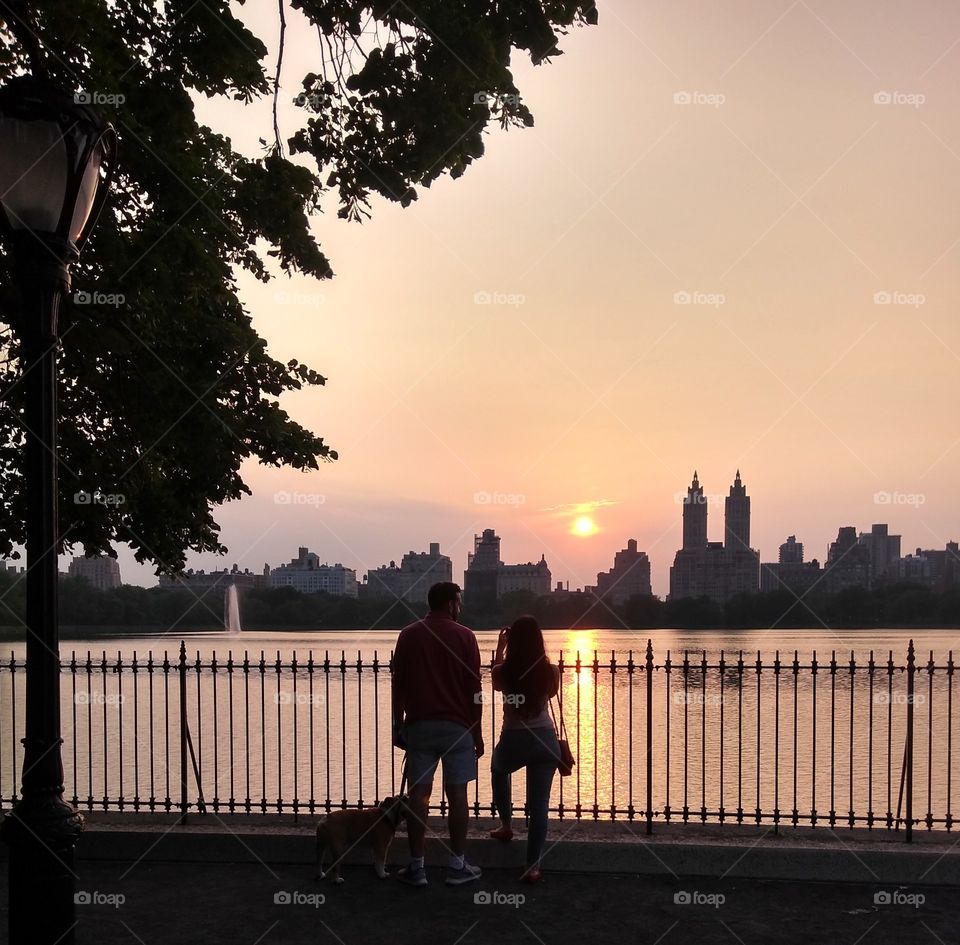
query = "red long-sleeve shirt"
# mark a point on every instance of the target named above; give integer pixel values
(436, 671)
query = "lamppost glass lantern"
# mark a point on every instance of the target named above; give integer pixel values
(56, 161)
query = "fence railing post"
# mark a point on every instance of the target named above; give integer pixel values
(182, 672)
(911, 670)
(649, 736)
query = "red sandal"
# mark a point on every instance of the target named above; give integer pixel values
(531, 876)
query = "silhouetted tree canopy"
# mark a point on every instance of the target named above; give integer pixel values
(164, 396)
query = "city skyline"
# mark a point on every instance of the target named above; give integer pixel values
(605, 541)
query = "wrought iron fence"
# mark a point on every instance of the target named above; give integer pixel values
(783, 742)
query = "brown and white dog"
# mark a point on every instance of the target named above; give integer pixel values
(373, 827)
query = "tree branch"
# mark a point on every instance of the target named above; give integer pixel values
(276, 81)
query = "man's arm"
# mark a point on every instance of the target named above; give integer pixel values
(477, 698)
(397, 700)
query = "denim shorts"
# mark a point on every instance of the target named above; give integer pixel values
(519, 747)
(428, 741)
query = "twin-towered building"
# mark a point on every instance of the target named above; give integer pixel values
(715, 569)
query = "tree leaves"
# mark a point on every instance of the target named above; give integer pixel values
(164, 394)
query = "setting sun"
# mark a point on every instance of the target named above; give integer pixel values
(584, 526)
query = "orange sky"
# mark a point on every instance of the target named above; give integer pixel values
(780, 166)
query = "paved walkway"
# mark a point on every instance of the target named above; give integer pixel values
(155, 903)
(702, 850)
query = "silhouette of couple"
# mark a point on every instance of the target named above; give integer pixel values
(437, 714)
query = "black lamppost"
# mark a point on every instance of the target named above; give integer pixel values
(56, 159)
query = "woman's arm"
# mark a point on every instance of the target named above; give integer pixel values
(497, 677)
(501, 646)
(555, 688)
(498, 660)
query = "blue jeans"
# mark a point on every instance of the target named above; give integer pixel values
(536, 750)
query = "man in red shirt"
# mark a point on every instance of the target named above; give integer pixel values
(437, 710)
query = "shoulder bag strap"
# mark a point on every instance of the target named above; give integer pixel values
(562, 729)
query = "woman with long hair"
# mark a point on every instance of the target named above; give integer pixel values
(528, 739)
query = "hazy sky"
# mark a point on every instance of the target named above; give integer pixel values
(777, 166)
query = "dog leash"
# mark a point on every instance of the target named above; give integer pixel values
(403, 774)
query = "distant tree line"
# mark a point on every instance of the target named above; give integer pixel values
(137, 609)
(893, 605)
